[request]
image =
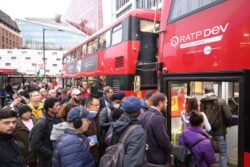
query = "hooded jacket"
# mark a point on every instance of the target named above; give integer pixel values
(203, 151)
(135, 144)
(72, 150)
(58, 130)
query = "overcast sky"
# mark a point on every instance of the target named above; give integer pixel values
(34, 8)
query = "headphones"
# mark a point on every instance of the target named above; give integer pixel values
(77, 122)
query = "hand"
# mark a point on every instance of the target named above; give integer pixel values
(91, 144)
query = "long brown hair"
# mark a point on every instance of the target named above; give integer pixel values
(192, 104)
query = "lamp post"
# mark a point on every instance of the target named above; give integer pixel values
(44, 58)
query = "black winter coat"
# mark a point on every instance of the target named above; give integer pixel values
(40, 141)
(10, 155)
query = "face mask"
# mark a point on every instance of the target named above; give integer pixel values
(93, 112)
(116, 105)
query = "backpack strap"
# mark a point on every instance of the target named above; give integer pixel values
(151, 116)
(197, 142)
(125, 134)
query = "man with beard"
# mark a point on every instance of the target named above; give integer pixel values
(10, 154)
(73, 102)
(158, 143)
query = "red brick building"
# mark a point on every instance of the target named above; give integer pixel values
(10, 37)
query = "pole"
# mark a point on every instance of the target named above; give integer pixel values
(44, 58)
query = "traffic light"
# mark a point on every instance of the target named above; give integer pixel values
(39, 74)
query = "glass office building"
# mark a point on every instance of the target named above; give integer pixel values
(57, 35)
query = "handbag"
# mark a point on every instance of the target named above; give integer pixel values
(180, 152)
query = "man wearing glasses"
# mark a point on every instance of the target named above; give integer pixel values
(93, 106)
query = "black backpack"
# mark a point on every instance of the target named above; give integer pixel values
(114, 154)
(211, 108)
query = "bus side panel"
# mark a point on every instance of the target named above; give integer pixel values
(127, 51)
(246, 159)
(215, 38)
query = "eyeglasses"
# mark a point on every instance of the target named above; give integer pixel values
(97, 105)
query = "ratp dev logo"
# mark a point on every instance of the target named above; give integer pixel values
(174, 41)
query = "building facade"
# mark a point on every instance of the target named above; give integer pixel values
(29, 62)
(9, 32)
(122, 6)
(56, 34)
(85, 15)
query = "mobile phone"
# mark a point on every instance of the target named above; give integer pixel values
(93, 139)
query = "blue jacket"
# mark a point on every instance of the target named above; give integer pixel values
(203, 152)
(159, 146)
(72, 150)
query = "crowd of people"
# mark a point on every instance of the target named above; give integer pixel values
(44, 127)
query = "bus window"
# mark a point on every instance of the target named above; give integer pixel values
(68, 58)
(149, 26)
(117, 34)
(73, 56)
(84, 50)
(78, 53)
(92, 46)
(182, 8)
(104, 40)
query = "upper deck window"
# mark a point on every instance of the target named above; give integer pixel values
(78, 53)
(117, 34)
(182, 8)
(84, 50)
(73, 56)
(148, 26)
(68, 58)
(104, 40)
(92, 46)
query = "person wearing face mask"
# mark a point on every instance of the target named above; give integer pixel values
(93, 105)
(105, 118)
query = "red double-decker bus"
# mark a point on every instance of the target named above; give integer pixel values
(122, 55)
(207, 42)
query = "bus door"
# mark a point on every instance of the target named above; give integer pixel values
(231, 87)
